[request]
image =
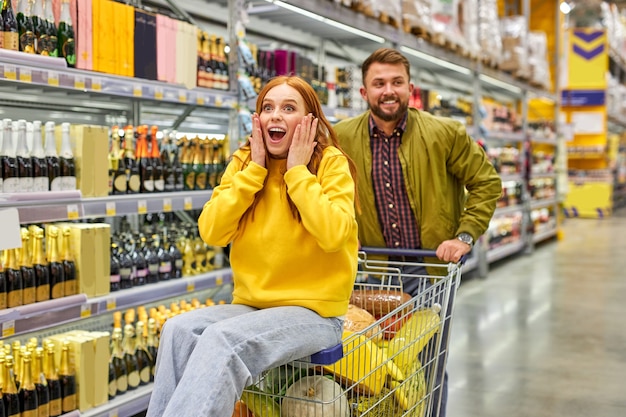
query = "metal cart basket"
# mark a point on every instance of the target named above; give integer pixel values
(386, 368)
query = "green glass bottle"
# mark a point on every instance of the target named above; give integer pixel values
(10, 32)
(65, 35)
(53, 49)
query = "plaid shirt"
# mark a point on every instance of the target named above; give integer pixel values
(392, 203)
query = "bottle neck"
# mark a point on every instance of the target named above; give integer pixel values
(64, 368)
(38, 8)
(27, 374)
(67, 254)
(49, 11)
(65, 13)
(38, 258)
(54, 248)
(51, 145)
(66, 148)
(21, 149)
(7, 140)
(37, 151)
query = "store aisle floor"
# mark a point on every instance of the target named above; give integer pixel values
(545, 335)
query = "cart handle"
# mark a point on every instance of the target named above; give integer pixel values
(404, 252)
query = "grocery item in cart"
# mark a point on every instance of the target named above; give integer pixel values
(315, 395)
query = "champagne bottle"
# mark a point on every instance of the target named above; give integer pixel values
(10, 174)
(139, 262)
(10, 394)
(57, 271)
(169, 179)
(119, 181)
(198, 166)
(29, 403)
(40, 28)
(119, 364)
(112, 381)
(66, 159)
(157, 163)
(152, 344)
(132, 366)
(11, 30)
(25, 27)
(65, 36)
(3, 285)
(212, 67)
(201, 65)
(1, 47)
(126, 268)
(176, 257)
(69, 266)
(38, 161)
(53, 48)
(144, 360)
(14, 278)
(145, 164)
(52, 159)
(133, 179)
(152, 259)
(29, 289)
(41, 385)
(67, 378)
(179, 177)
(42, 273)
(187, 165)
(115, 278)
(24, 162)
(222, 65)
(54, 385)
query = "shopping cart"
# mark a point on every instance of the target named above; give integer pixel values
(386, 368)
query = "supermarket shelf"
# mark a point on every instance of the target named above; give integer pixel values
(68, 205)
(501, 211)
(543, 203)
(506, 136)
(38, 316)
(511, 177)
(543, 175)
(504, 251)
(544, 235)
(49, 74)
(540, 139)
(126, 405)
(586, 155)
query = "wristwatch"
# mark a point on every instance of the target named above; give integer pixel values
(466, 238)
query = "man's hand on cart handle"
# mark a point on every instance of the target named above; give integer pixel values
(452, 250)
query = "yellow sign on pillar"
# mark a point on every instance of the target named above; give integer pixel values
(587, 59)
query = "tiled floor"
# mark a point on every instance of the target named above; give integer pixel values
(545, 335)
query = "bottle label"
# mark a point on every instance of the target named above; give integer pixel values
(115, 278)
(29, 295)
(179, 263)
(201, 181)
(40, 184)
(69, 403)
(57, 290)
(134, 183)
(43, 292)
(142, 273)
(11, 185)
(190, 181)
(122, 384)
(165, 267)
(29, 413)
(125, 273)
(70, 287)
(3, 300)
(53, 50)
(14, 298)
(43, 410)
(159, 185)
(26, 185)
(153, 268)
(133, 379)
(112, 389)
(27, 42)
(57, 184)
(55, 407)
(42, 45)
(120, 184)
(69, 183)
(12, 41)
(145, 374)
(148, 185)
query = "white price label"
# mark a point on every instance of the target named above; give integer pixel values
(158, 93)
(200, 100)
(191, 287)
(137, 90)
(96, 84)
(142, 207)
(85, 311)
(167, 205)
(111, 304)
(79, 82)
(114, 413)
(219, 281)
(219, 101)
(25, 75)
(72, 211)
(10, 73)
(188, 204)
(53, 78)
(8, 328)
(111, 210)
(182, 96)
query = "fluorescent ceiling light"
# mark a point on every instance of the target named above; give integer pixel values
(565, 7)
(434, 60)
(500, 84)
(328, 21)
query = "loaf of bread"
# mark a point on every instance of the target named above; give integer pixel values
(358, 319)
(379, 302)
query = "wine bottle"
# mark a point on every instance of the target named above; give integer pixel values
(29, 289)
(119, 364)
(169, 179)
(11, 30)
(146, 170)
(176, 257)
(57, 271)
(66, 159)
(179, 177)
(41, 182)
(29, 403)
(157, 163)
(13, 277)
(187, 165)
(65, 36)
(40, 266)
(115, 277)
(67, 378)
(53, 48)
(144, 359)
(24, 163)
(133, 178)
(222, 64)
(52, 158)
(41, 385)
(152, 259)
(40, 28)
(69, 266)
(3, 285)
(152, 344)
(126, 268)
(139, 262)
(10, 174)
(165, 262)
(132, 366)
(1, 47)
(25, 27)
(10, 394)
(198, 165)
(54, 384)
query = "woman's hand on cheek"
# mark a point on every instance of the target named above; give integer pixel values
(303, 142)
(257, 145)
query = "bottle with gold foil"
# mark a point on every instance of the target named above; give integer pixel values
(188, 153)
(41, 385)
(55, 265)
(67, 378)
(222, 65)
(54, 385)
(40, 266)
(119, 183)
(10, 394)
(29, 282)
(66, 159)
(144, 359)
(146, 171)
(14, 278)
(40, 28)
(3, 286)
(208, 81)
(65, 35)
(132, 366)
(133, 178)
(53, 47)
(25, 26)
(198, 165)
(152, 344)
(29, 403)
(157, 163)
(69, 265)
(179, 177)
(11, 29)
(119, 364)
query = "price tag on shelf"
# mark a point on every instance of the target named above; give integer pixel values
(219, 281)
(219, 100)
(10, 73)
(111, 209)
(72, 211)
(96, 84)
(25, 75)
(182, 96)
(79, 82)
(111, 304)
(53, 78)
(167, 204)
(142, 207)
(8, 328)
(114, 413)
(200, 100)
(188, 204)
(158, 93)
(191, 287)
(85, 311)
(137, 90)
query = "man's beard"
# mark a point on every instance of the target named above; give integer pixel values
(389, 117)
